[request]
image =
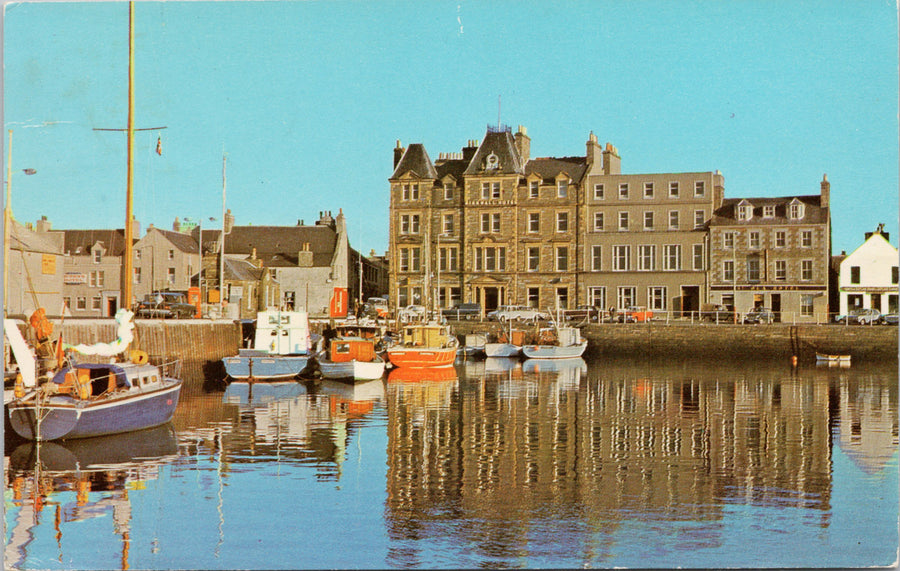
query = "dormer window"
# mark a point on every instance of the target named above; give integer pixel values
(796, 210)
(98, 256)
(562, 188)
(769, 211)
(448, 191)
(534, 188)
(744, 210)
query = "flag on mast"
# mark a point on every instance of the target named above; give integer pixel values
(159, 145)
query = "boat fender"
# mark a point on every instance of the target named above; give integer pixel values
(83, 386)
(139, 357)
(20, 386)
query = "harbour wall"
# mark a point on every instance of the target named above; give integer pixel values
(712, 341)
(201, 344)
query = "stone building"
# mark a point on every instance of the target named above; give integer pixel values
(313, 265)
(868, 276)
(164, 260)
(773, 252)
(493, 225)
(93, 271)
(645, 236)
(36, 270)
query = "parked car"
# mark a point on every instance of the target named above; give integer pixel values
(760, 315)
(166, 304)
(516, 313)
(412, 313)
(890, 318)
(582, 313)
(635, 314)
(860, 316)
(462, 311)
(717, 313)
(377, 307)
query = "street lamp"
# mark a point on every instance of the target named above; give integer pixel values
(7, 220)
(200, 252)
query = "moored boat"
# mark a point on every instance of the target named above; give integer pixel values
(557, 343)
(424, 345)
(350, 358)
(505, 344)
(98, 399)
(281, 348)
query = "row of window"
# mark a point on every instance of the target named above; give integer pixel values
(777, 239)
(649, 190)
(81, 303)
(170, 275)
(494, 258)
(98, 255)
(754, 270)
(855, 277)
(491, 190)
(795, 211)
(490, 222)
(626, 296)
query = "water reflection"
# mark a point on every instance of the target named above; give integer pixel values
(515, 445)
(79, 480)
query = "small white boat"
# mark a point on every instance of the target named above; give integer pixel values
(506, 344)
(281, 348)
(473, 346)
(557, 343)
(832, 360)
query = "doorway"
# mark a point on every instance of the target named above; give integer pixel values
(690, 299)
(491, 298)
(112, 306)
(776, 306)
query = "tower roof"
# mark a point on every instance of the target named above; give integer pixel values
(415, 160)
(497, 154)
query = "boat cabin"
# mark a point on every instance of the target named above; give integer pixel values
(282, 332)
(344, 350)
(425, 335)
(87, 380)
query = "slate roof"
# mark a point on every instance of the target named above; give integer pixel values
(502, 144)
(184, 242)
(241, 270)
(814, 213)
(278, 246)
(79, 242)
(454, 167)
(415, 159)
(549, 167)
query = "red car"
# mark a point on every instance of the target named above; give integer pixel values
(635, 314)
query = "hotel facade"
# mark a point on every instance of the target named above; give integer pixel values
(493, 225)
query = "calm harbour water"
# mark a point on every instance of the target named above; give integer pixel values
(491, 464)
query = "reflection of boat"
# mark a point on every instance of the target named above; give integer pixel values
(351, 358)
(557, 343)
(90, 399)
(101, 453)
(415, 375)
(424, 345)
(555, 365)
(281, 348)
(362, 391)
(500, 364)
(256, 394)
(833, 360)
(506, 344)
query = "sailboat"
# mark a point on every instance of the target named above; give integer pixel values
(95, 399)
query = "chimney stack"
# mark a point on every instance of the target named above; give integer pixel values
(612, 163)
(523, 144)
(398, 153)
(594, 152)
(825, 199)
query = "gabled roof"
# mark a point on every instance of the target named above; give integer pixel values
(815, 213)
(548, 168)
(452, 167)
(278, 246)
(499, 144)
(415, 160)
(242, 270)
(80, 242)
(184, 242)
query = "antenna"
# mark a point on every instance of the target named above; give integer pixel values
(498, 112)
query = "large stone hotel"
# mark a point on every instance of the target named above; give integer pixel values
(493, 225)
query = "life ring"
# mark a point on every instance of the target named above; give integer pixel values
(139, 357)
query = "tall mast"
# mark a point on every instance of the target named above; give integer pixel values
(7, 220)
(222, 248)
(129, 198)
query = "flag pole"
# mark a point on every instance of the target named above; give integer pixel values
(7, 220)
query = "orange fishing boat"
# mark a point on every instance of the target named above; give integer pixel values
(424, 345)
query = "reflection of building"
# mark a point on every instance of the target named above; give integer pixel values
(664, 444)
(867, 421)
(868, 277)
(773, 252)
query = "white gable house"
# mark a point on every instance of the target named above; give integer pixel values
(869, 276)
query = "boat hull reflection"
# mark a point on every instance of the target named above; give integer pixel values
(430, 374)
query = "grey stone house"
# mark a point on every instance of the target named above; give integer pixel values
(36, 269)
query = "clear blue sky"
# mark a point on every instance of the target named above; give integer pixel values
(308, 99)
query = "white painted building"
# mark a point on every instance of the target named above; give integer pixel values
(868, 277)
